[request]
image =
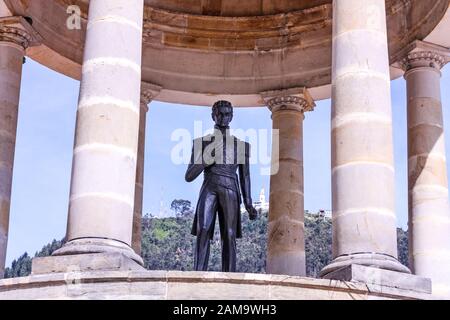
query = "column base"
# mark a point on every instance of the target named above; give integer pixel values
(374, 260)
(98, 245)
(84, 263)
(379, 277)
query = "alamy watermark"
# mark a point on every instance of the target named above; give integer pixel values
(73, 22)
(218, 147)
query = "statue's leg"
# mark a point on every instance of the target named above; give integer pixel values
(206, 214)
(228, 214)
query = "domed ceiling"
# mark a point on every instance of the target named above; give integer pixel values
(226, 47)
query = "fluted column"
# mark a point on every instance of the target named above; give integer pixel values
(15, 36)
(106, 142)
(429, 212)
(286, 228)
(148, 93)
(363, 190)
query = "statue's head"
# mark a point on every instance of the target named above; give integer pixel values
(222, 113)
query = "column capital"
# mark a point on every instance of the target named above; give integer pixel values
(149, 92)
(19, 31)
(423, 54)
(295, 99)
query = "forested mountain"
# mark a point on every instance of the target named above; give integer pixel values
(168, 245)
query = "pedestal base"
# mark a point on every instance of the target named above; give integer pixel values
(84, 263)
(169, 285)
(375, 260)
(379, 277)
(97, 245)
(89, 255)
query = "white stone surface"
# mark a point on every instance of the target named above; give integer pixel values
(170, 285)
(106, 142)
(380, 277)
(363, 196)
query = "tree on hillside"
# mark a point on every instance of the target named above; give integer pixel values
(402, 244)
(182, 208)
(48, 249)
(317, 243)
(21, 267)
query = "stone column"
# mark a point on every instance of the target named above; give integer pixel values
(363, 190)
(15, 36)
(286, 229)
(429, 212)
(106, 141)
(148, 93)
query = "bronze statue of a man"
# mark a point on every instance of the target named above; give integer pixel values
(219, 156)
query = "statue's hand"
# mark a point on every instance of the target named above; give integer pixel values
(253, 214)
(209, 158)
(210, 152)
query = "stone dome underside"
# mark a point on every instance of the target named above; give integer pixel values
(228, 8)
(232, 47)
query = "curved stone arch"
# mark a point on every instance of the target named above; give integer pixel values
(195, 57)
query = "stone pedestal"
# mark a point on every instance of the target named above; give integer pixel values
(363, 190)
(376, 277)
(175, 285)
(16, 35)
(429, 210)
(106, 143)
(84, 263)
(286, 229)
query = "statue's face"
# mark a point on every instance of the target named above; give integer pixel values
(223, 116)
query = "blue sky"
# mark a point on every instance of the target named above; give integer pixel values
(45, 140)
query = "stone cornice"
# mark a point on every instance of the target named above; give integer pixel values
(295, 99)
(148, 93)
(17, 30)
(422, 54)
(244, 33)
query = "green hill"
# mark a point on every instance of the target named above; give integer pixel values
(168, 245)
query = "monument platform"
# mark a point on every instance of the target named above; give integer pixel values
(171, 285)
(380, 277)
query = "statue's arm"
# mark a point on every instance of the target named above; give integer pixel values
(244, 178)
(196, 164)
